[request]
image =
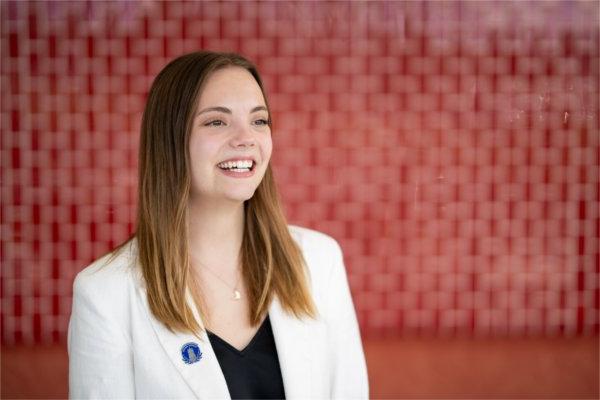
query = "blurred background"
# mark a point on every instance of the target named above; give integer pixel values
(450, 147)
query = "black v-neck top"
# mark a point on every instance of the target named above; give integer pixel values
(254, 372)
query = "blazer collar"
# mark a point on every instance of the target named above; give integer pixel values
(294, 350)
(197, 374)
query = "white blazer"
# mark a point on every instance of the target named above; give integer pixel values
(117, 349)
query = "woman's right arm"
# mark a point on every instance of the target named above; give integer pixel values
(100, 359)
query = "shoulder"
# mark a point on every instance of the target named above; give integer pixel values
(109, 276)
(322, 255)
(314, 242)
(101, 313)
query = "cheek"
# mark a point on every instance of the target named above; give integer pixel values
(201, 153)
(267, 147)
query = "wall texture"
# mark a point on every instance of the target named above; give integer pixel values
(452, 149)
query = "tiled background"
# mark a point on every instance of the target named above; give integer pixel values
(452, 149)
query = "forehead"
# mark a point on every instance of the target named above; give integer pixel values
(230, 85)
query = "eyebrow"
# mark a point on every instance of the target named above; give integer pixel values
(228, 111)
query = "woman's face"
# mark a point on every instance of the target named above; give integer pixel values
(230, 143)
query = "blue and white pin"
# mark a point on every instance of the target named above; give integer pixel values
(190, 352)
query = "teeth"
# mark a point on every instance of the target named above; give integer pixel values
(238, 166)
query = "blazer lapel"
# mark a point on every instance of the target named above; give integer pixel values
(204, 377)
(293, 350)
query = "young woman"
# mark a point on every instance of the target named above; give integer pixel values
(215, 296)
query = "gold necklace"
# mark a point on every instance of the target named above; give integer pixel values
(236, 295)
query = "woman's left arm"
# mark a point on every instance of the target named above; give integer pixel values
(349, 370)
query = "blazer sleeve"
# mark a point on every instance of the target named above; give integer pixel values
(349, 370)
(100, 360)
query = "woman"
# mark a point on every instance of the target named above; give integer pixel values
(214, 296)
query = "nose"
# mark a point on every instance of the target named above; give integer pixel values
(243, 137)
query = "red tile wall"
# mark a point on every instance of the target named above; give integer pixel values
(452, 149)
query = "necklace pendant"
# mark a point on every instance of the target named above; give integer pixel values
(236, 295)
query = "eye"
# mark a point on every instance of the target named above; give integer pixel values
(215, 122)
(261, 121)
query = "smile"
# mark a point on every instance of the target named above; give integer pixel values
(237, 165)
(237, 168)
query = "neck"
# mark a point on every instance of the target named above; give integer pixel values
(215, 232)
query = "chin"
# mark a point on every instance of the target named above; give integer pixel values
(239, 197)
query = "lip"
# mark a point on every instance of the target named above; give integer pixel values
(232, 174)
(238, 159)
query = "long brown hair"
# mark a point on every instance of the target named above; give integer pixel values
(272, 263)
